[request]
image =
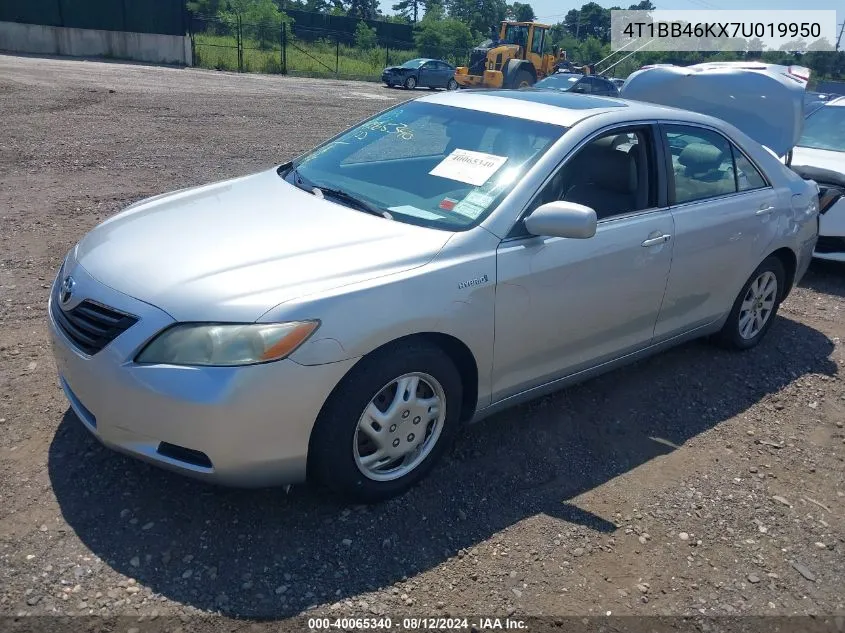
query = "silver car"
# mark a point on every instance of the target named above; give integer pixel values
(340, 317)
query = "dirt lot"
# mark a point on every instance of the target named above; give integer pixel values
(699, 482)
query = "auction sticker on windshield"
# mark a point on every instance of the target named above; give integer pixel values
(473, 168)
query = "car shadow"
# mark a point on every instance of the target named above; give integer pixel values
(267, 554)
(825, 276)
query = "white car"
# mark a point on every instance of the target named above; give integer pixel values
(820, 155)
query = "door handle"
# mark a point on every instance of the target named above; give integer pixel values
(654, 241)
(764, 210)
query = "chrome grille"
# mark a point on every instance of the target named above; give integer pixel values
(91, 326)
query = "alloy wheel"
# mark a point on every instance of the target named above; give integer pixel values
(758, 305)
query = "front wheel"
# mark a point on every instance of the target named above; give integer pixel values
(387, 423)
(411, 83)
(755, 307)
(522, 79)
(452, 85)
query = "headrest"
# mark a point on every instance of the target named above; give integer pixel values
(617, 171)
(701, 157)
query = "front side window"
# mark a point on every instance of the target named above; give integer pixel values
(427, 164)
(613, 175)
(825, 129)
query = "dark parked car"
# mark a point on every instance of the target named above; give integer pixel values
(426, 73)
(575, 82)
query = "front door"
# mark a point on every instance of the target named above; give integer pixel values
(724, 223)
(563, 305)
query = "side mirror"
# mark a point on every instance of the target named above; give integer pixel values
(562, 219)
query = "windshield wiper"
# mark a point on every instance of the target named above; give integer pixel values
(352, 201)
(339, 194)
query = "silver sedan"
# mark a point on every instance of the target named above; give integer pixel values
(340, 317)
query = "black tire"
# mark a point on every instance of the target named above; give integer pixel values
(730, 337)
(331, 460)
(452, 84)
(410, 83)
(521, 79)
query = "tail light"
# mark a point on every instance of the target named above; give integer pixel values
(829, 196)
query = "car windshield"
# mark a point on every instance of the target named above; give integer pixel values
(559, 81)
(427, 164)
(413, 63)
(825, 129)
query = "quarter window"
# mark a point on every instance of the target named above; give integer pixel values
(747, 175)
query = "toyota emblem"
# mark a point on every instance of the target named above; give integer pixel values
(67, 289)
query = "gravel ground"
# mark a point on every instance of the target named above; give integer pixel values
(698, 482)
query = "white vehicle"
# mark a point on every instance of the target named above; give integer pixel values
(820, 156)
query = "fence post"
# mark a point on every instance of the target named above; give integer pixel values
(240, 44)
(284, 48)
(387, 54)
(337, 56)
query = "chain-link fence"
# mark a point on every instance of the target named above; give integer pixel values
(234, 44)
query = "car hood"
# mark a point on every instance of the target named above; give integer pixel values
(766, 102)
(233, 250)
(394, 69)
(823, 158)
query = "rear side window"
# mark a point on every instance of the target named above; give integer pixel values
(702, 163)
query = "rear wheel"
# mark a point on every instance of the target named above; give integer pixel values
(755, 307)
(452, 85)
(388, 423)
(522, 79)
(411, 82)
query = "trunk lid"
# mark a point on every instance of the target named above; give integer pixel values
(765, 101)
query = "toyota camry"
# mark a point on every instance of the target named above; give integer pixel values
(340, 317)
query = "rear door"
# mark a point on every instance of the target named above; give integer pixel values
(723, 210)
(427, 75)
(444, 74)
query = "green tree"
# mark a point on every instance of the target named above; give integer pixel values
(521, 12)
(479, 15)
(443, 38)
(411, 9)
(365, 36)
(363, 9)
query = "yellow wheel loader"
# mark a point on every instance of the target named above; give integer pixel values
(512, 58)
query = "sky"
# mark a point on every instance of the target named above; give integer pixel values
(554, 10)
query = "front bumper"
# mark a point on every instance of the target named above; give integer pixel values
(239, 426)
(490, 78)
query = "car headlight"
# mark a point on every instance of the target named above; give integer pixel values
(226, 345)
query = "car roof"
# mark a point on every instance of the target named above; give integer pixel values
(559, 108)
